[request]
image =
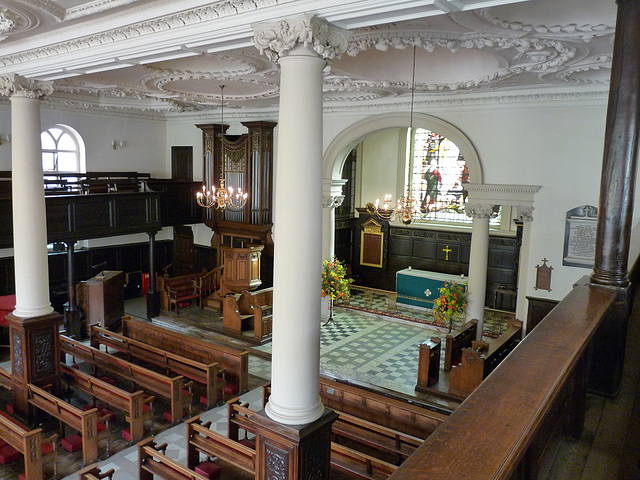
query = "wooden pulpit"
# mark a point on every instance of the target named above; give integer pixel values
(102, 298)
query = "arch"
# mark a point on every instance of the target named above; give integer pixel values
(78, 142)
(346, 141)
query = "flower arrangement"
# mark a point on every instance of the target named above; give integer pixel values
(451, 302)
(334, 281)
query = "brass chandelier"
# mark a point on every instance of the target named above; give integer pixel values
(221, 197)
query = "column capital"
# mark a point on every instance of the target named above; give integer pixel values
(524, 214)
(19, 86)
(332, 201)
(277, 39)
(478, 210)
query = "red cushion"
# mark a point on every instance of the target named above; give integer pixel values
(106, 412)
(101, 427)
(167, 416)
(47, 448)
(203, 399)
(8, 454)
(2, 443)
(72, 443)
(208, 469)
(109, 380)
(10, 408)
(126, 434)
(231, 389)
(146, 407)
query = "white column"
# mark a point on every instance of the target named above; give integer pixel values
(478, 263)
(525, 215)
(29, 214)
(301, 46)
(330, 200)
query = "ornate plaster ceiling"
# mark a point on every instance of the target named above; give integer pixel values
(165, 57)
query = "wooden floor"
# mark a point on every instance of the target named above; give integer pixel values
(610, 445)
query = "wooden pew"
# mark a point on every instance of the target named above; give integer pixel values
(208, 283)
(383, 439)
(251, 311)
(86, 423)
(455, 341)
(5, 379)
(92, 472)
(27, 442)
(162, 385)
(209, 375)
(177, 289)
(477, 364)
(428, 364)
(152, 461)
(129, 403)
(201, 439)
(240, 418)
(385, 411)
(234, 361)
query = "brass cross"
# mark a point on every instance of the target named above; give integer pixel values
(447, 250)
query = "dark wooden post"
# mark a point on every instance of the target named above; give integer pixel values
(153, 297)
(615, 209)
(620, 151)
(71, 312)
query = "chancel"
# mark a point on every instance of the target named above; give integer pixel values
(139, 320)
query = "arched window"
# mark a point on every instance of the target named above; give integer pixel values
(62, 150)
(437, 175)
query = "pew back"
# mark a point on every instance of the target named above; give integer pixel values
(84, 422)
(234, 361)
(27, 442)
(455, 341)
(167, 387)
(152, 461)
(208, 375)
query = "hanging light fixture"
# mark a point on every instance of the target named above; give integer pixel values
(221, 197)
(405, 206)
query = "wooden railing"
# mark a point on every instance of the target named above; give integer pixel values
(500, 431)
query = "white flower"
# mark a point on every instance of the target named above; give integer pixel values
(427, 293)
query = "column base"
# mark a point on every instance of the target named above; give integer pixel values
(35, 355)
(153, 305)
(293, 452)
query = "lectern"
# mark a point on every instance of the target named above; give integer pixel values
(102, 298)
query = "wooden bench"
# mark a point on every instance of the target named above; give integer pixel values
(178, 289)
(92, 472)
(152, 461)
(251, 311)
(28, 442)
(85, 422)
(162, 385)
(428, 364)
(5, 379)
(201, 439)
(132, 404)
(234, 361)
(396, 444)
(478, 363)
(385, 411)
(455, 341)
(209, 375)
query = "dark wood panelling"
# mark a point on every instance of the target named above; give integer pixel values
(437, 251)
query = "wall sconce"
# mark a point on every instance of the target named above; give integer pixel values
(116, 144)
(5, 138)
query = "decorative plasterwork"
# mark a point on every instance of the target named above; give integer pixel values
(478, 210)
(276, 39)
(524, 214)
(16, 20)
(11, 85)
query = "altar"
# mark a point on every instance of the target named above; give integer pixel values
(420, 287)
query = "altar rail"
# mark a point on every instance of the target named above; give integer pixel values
(532, 388)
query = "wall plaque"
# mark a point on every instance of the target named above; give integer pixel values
(580, 237)
(543, 276)
(371, 244)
